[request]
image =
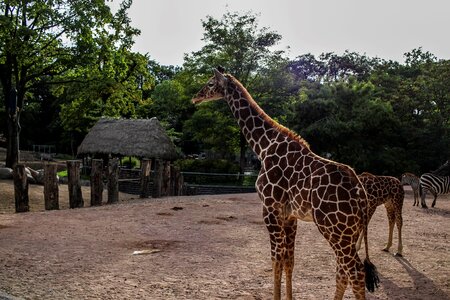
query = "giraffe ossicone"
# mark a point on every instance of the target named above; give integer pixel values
(295, 183)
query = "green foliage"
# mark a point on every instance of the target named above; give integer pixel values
(239, 44)
(62, 174)
(71, 62)
(213, 130)
(393, 119)
(130, 162)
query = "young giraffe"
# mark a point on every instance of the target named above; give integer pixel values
(413, 181)
(389, 191)
(294, 183)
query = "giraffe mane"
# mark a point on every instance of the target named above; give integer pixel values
(265, 116)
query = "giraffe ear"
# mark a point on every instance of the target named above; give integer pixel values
(221, 79)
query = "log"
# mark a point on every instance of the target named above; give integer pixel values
(96, 182)
(146, 172)
(158, 178)
(74, 184)
(51, 189)
(21, 188)
(113, 181)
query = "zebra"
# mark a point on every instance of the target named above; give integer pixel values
(435, 184)
(413, 181)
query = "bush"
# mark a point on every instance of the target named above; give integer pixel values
(130, 162)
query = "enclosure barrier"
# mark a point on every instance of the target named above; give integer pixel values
(168, 179)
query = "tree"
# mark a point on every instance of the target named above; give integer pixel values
(43, 39)
(237, 43)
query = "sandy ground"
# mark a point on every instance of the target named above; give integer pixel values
(198, 247)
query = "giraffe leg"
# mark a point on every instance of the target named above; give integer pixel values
(290, 229)
(350, 266)
(341, 283)
(277, 268)
(391, 219)
(276, 235)
(399, 222)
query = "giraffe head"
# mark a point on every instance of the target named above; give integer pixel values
(214, 88)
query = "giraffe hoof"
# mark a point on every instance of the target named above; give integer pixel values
(398, 254)
(386, 250)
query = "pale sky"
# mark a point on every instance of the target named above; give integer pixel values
(377, 28)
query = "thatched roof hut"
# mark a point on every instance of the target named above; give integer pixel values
(143, 138)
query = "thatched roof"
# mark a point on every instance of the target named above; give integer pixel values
(120, 137)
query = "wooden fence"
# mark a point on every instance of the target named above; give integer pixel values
(167, 181)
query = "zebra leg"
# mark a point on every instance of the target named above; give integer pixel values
(434, 200)
(424, 194)
(416, 197)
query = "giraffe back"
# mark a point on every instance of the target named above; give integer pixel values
(381, 190)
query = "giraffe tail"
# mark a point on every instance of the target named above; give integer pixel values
(371, 278)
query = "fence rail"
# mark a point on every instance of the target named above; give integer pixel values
(195, 183)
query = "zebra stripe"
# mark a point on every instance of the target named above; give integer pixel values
(435, 184)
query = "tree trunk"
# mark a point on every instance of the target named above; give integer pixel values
(146, 171)
(13, 127)
(96, 182)
(21, 188)
(51, 191)
(113, 181)
(75, 195)
(158, 178)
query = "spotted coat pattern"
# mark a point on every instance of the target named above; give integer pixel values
(389, 191)
(294, 183)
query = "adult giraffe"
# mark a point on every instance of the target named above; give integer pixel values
(294, 183)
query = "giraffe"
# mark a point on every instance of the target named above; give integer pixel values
(295, 183)
(413, 181)
(389, 191)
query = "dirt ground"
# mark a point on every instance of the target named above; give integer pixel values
(198, 247)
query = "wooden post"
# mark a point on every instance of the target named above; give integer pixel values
(176, 181)
(146, 171)
(21, 188)
(74, 184)
(51, 191)
(113, 181)
(158, 178)
(96, 182)
(165, 188)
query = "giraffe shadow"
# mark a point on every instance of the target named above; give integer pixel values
(423, 287)
(436, 211)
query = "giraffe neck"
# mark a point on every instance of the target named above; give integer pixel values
(260, 130)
